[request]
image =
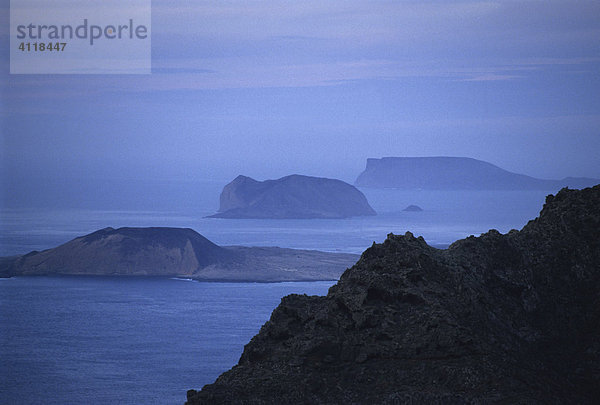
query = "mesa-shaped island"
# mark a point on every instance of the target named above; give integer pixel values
(291, 197)
(498, 318)
(454, 173)
(175, 252)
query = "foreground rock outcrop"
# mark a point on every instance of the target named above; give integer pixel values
(454, 173)
(291, 197)
(498, 318)
(172, 252)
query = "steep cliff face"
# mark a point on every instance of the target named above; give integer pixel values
(292, 196)
(453, 173)
(509, 318)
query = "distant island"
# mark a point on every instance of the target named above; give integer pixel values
(291, 197)
(175, 252)
(413, 208)
(454, 173)
(492, 319)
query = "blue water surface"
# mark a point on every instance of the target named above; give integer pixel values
(107, 340)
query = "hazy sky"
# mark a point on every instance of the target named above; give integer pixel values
(269, 88)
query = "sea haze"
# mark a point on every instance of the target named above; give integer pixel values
(446, 216)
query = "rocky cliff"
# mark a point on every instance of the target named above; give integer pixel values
(454, 173)
(291, 197)
(511, 318)
(175, 252)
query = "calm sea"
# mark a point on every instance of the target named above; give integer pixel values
(98, 340)
(106, 340)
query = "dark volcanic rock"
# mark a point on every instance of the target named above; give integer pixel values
(454, 173)
(509, 318)
(175, 252)
(291, 197)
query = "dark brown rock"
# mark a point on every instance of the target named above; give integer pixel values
(509, 318)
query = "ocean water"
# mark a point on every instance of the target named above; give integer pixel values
(102, 340)
(107, 340)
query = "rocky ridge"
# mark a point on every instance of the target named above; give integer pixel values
(511, 318)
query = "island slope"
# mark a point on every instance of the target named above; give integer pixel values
(498, 318)
(293, 197)
(175, 252)
(454, 173)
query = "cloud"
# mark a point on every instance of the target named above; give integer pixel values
(283, 43)
(261, 44)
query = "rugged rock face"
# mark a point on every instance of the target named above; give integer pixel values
(453, 173)
(509, 318)
(175, 252)
(291, 197)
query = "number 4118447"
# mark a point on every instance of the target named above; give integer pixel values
(42, 46)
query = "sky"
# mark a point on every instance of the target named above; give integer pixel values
(270, 88)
